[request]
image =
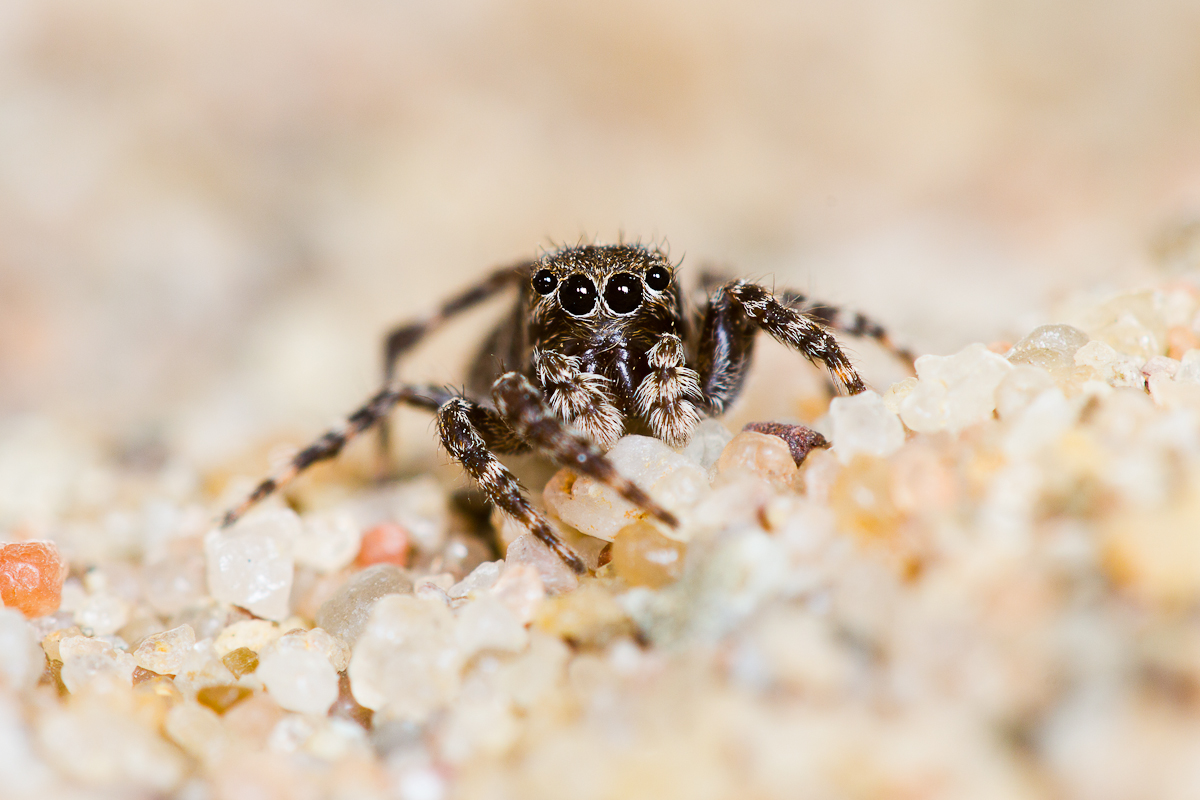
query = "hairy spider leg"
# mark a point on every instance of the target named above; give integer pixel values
(735, 313)
(839, 318)
(404, 337)
(852, 322)
(334, 440)
(524, 408)
(459, 423)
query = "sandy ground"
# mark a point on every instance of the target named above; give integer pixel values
(210, 212)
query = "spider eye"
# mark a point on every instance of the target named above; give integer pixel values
(577, 295)
(544, 282)
(623, 293)
(657, 278)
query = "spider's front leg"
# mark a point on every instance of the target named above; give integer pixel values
(839, 318)
(735, 313)
(524, 409)
(465, 428)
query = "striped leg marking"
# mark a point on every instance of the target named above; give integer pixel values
(333, 441)
(462, 440)
(522, 406)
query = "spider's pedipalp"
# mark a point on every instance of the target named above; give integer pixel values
(581, 399)
(523, 407)
(668, 396)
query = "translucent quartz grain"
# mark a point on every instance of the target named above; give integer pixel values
(255, 634)
(298, 676)
(760, 455)
(198, 731)
(862, 424)
(1020, 387)
(488, 624)
(1049, 347)
(21, 659)
(589, 616)
(175, 583)
(954, 392)
(676, 482)
(520, 588)
(482, 578)
(31, 577)
(164, 652)
(102, 614)
(555, 576)
(641, 556)
(708, 440)
(94, 663)
(861, 498)
(386, 543)
(406, 663)
(251, 564)
(327, 542)
(345, 614)
(106, 751)
(1131, 323)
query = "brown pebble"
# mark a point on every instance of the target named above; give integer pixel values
(800, 440)
(346, 707)
(222, 698)
(53, 676)
(241, 661)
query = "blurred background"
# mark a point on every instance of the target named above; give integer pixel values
(211, 211)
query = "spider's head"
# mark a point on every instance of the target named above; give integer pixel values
(604, 286)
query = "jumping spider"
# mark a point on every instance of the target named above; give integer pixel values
(598, 344)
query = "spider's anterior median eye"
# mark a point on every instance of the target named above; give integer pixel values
(657, 278)
(577, 295)
(544, 282)
(623, 293)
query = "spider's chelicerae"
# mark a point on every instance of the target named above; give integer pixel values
(598, 344)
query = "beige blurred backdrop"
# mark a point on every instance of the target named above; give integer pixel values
(210, 211)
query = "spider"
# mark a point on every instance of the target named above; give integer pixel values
(598, 344)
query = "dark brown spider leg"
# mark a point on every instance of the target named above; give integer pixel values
(523, 407)
(852, 322)
(330, 444)
(458, 425)
(404, 337)
(734, 314)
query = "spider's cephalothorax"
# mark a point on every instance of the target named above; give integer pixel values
(598, 344)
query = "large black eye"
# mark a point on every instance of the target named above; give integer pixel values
(577, 295)
(623, 293)
(544, 282)
(657, 278)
